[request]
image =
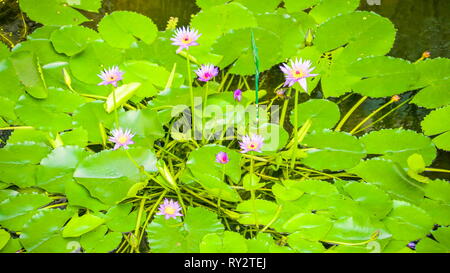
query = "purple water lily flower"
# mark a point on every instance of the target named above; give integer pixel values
(207, 72)
(185, 37)
(222, 158)
(170, 209)
(111, 76)
(121, 138)
(251, 143)
(299, 71)
(237, 95)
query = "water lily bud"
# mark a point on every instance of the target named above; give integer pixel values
(309, 38)
(426, 54)
(395, 98)
(67, 78)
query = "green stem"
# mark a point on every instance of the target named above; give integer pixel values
(436, 170)
(349, 113)
(294, 149)
(285, 106)
(385, 115)
(191, 90)
(370, 116)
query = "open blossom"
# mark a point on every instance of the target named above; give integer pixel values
(185, 37)
(251, 143)
(111, 76)
(222, 158)
(237, 95)
(121, 138)
(299, 71)
(170, 209)
(207, 72)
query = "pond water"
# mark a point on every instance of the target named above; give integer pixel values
(422, 25)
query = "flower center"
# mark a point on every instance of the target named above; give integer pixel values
(298, 74)
(207, 75)
(252, 146)
(186, 40)
(112, 78)
(170, 210)
(123, 139)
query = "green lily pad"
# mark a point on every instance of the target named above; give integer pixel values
(433, 125)
(121, 28)
(398, 145)
(332, 150)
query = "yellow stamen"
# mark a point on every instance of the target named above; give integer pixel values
(123, 139)
(169, 210)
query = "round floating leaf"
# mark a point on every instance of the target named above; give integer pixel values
(28, 70)
(383, 76)
(99, 241)
(97, 56)
(290, 29)
(57, 168)
(355, 229)
(301, 245)
(4, 238)
(143, 123)
(435, 81)
(42, 234)
(225, 17)
(120, 218)
(71, 40)
(398, 145)
(109, 175)
(324, 114)
(408, 222)
(376, 201)
(427, 245)
(18, 162)
(332, 150)
(210, 174)
(78, 196)
(151, 76)
(50, 114)
(370, 35)
(438, 190)
(53, 12)
(256, 212)
(17, 209)
(329, 8)
(240, 55)
(172, 236)
(229, 242)
(91, 116)
(434, 95)
(391, 178)
(121, 28)
(434, 124)
(309, 226)
(78, 226)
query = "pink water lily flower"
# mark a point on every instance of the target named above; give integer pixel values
(170, 209)
(185, 37)
(299, 71)
(207, 72)
(237, 95)
(111, 76)
(121, 138)
(251, 143)
(222, 158)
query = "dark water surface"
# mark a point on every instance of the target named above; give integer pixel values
(422, 25)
